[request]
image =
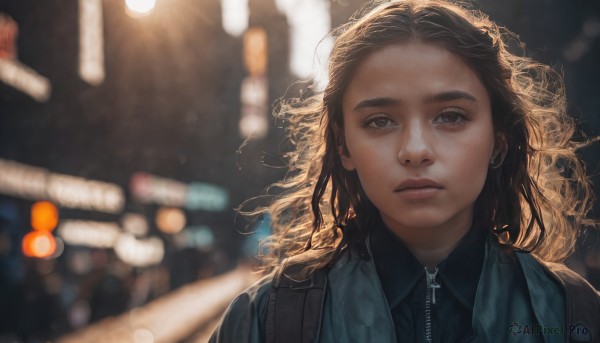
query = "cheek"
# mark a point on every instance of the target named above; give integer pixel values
(370, 156)
(471, 160)
(377, 170)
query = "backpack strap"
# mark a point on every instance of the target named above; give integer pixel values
(295, 304)
(583, 304)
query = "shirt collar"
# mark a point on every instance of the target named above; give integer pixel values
(399, 271)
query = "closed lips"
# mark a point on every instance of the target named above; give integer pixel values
(417, 184)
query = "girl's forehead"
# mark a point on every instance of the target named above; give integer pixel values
(414, 57)
(406, 65)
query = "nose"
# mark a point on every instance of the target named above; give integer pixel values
(415, 146)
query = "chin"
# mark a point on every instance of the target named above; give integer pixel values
(424, 225)
(418, 222)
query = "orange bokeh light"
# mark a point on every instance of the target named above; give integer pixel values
(44, 216)
(39, 244)
(170, 220)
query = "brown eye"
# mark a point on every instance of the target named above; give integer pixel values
(378, 122)
(451, 117)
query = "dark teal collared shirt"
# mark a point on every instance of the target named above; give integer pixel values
(404, 284)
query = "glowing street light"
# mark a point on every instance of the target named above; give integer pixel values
(170, 220)
(138, 8)
(39, 244)
(91, 42)
(139, 252)
(235, 16)
(44, 216)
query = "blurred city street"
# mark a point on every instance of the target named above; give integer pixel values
(189, 314)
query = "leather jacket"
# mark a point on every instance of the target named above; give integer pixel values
(355, 308)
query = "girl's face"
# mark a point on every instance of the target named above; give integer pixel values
(419, 133)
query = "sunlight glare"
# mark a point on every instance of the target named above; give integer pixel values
(140, 7)
(235, 16)
(310, 44)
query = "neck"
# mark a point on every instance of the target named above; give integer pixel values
(431, 245)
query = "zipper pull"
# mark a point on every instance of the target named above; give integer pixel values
(431, 283)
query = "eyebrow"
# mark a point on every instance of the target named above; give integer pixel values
(376, 102)
(441, 97)
(451, 95)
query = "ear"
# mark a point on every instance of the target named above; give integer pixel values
(342, 150)
(500, 150)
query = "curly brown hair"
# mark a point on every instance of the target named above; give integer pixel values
(536, 201)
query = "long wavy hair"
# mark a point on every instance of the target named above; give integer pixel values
(536, 201)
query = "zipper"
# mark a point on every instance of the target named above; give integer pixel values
(431, 286)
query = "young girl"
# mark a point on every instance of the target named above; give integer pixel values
(432, 195)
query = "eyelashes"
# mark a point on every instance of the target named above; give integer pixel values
(452, 116)
(449, 117)
(377, 121)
